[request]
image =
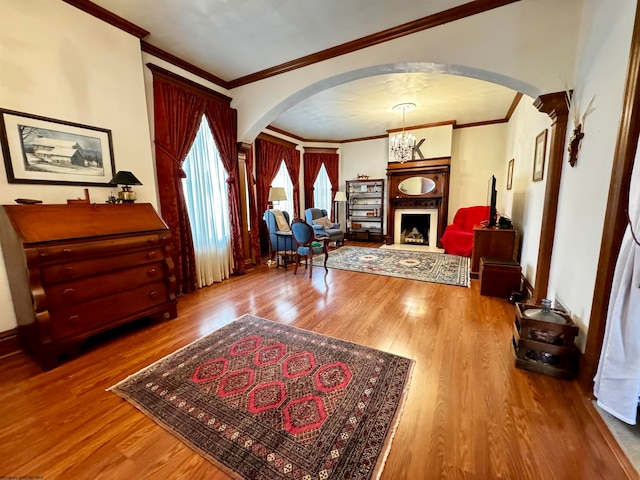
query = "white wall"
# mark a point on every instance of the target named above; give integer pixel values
(436, 144)
(524, 202)
(58, 62)
(476, 154)
(600, 75)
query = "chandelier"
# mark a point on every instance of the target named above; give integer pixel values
(403, 143)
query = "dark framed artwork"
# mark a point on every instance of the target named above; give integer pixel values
(539, 156)
(510, 174)
(54, 152)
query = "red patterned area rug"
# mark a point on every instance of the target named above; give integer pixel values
(267, 401)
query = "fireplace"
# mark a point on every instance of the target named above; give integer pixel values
(416, 226)
(418, 189)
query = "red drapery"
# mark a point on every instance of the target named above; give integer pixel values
(177, 116)
(332, 165)
(268, 159)
(179, 105)
(292, 162)
(223, 121)
(312, 165)
(253, 210)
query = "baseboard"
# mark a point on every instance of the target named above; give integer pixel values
(9, 343)
(622, 458)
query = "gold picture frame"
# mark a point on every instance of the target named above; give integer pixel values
(539, 156)
(510, 174)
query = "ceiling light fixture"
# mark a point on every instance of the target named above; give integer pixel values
(403, 143)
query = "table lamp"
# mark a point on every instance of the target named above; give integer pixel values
(126, 179)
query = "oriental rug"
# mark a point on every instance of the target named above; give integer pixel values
(267, 401)
(413, 265)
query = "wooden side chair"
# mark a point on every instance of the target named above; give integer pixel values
(304, 238)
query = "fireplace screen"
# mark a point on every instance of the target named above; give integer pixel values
(414, 228)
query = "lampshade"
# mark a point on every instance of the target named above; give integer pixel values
(340, 197)
(277, 194)
(125, 178)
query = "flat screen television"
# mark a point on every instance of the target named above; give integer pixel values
(491, 201)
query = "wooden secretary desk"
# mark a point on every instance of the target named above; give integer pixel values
(79, 269)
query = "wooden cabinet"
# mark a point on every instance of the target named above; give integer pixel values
(76, 270)
(365, 209)
(491, 242)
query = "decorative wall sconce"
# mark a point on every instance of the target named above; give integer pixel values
(578, 122)
(574, 144)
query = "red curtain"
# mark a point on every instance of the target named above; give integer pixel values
(254, 215)
(177, 116)
(331, 164)
(268, 159)
(223, 121)
(312, 165)
(292, 162)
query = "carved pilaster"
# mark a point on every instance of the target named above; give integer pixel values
(554, 105)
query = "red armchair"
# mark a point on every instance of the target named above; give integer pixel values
(458, 237)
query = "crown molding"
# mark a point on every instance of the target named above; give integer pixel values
(457, 13)
(108, 17)
(424, 125)
(514, 105)
(178, 62)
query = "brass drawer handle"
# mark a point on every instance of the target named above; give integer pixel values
(152, 272)
(153, 294)
(67, 251)
(151, 254)
(74, 318)
(152, 240)
(68, 293)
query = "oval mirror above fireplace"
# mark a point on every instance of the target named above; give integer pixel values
(416, 185)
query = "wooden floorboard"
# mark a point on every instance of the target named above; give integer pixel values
(469, 414)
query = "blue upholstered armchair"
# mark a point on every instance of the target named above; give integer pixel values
(331, 230)
(281, 241)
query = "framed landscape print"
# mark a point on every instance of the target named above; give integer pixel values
(510, 174)
(55, 152)
(538, 157)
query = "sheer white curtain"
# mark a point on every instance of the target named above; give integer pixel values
(282, 179)
(617, 381)
(205, 191)
(322, 191)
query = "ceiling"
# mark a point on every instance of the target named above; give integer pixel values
(234, 38)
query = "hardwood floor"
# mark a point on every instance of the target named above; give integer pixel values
(469, 414)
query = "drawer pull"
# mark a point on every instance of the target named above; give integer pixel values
(68, 293)
(66, 271)
(74, 318)
(151, 240)
(43, 254)
(152, 272)
(151, 254)
(153, 294)
(67, 251)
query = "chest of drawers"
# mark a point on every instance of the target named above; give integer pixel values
(76, 270)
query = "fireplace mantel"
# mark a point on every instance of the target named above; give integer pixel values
(437, 170)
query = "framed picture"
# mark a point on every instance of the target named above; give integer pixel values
(510, 174)
(54, 152)
(538, 158)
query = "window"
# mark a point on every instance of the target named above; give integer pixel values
(282, 179)
(322, 191)
(205, 192)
